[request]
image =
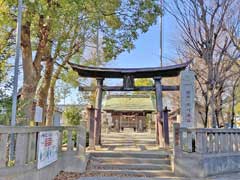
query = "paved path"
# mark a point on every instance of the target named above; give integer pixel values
(128, 141)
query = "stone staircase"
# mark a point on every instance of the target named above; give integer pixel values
(135, 164)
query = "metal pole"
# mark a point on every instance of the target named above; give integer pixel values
(15, 82)
(97, 47)
(161, 34)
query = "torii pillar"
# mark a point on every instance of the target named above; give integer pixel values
(98, 109)
(159, 103)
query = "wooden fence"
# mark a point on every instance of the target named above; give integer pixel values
(71, 140)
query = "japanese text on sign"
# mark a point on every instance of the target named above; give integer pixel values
(47, 148)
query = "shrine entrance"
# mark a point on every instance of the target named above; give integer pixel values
(128, 75)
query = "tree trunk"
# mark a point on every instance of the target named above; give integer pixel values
(51, 98)
(31, 69)
(206, 115)
(29, 78)
(44, 87)
(51, 106)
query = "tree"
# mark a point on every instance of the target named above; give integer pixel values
(50, 34)
(206, 41)
(118, 29)
(73, 115)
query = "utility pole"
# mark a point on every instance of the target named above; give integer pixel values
(161, 34)
(97, 44)
(15, 81)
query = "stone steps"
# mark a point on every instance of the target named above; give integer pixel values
(152, 155)
(137, 173)
(124, 160)
(139, 164)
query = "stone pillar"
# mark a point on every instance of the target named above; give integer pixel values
(187, 96)
(166, 126)
(91, 125)
(159, 124)
(98, 107)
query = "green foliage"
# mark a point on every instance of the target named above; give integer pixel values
(73, 115)
(5, 104)
(5, 90)
(71, 25)
(62, 90)
(120, 21)
(70, 77)
(144, 82)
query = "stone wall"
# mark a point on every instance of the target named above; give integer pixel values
(208, 165)
(68, 162)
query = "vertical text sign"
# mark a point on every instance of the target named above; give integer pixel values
(47, 148)
(38, 114)
(187, 95)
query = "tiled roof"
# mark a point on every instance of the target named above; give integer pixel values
(129, 103)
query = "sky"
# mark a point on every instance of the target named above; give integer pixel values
(147, 47)
(147, 51)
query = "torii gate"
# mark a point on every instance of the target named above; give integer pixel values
(128, 75)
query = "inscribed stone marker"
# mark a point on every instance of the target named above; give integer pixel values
(187, 94)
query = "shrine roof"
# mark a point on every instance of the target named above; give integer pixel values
(126, 103)
(150, 72)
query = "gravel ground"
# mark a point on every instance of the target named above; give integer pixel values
(74, 176)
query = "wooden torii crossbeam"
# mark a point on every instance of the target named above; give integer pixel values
(128, 75)
(100, 72)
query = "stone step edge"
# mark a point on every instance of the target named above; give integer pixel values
(129, 158)
(127, 154)
(131, 167)
(145, 173)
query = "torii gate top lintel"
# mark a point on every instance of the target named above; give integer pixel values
(150, 72)
(128, 75)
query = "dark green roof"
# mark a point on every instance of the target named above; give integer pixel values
(129, 103)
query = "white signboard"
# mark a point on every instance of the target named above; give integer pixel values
(38, 114)
(47, 148)
(187, 99)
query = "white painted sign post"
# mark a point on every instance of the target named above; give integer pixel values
(47, 148)
(38, 114)
(187, 95)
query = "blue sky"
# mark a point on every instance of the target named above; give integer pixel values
(147, 47)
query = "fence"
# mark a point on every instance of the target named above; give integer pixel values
(208, 141)
(72, 140)
(206, 151)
